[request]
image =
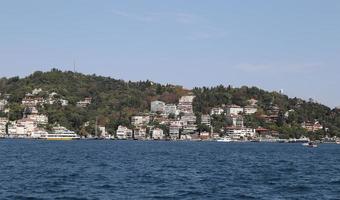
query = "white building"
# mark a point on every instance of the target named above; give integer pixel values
(84, 103)
(248, 110)
(3, 103)
(233, 109)
(140, 134)
(237, 120)
(3, 123)
(216, 111)
(140, 120)
(185, 104)
(39, 119)
(240, 133)
(170, 109)
(157, 106)
(157, 134)
(22, 128)
(123, 133)
(206, 120)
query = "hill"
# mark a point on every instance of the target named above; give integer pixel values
(113, 102)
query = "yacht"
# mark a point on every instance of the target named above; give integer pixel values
(310, 144)
(60, 133)
(225, 139)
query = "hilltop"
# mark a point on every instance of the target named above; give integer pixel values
(113, 102)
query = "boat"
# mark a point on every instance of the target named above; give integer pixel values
(225, 139)
(60, 133)
(310, 144)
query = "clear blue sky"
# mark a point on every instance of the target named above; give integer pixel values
(284, 44)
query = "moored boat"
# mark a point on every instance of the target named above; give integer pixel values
(60, 133)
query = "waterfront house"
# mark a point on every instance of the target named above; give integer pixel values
(204, 135)
(157, 134)
(124, 133)
(240, 133)
(139, 133)
(3, 123)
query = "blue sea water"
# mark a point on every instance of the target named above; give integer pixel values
(32, 169)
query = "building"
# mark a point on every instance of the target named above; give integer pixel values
(36, 91)
(206, 120)
(204, 135)
(22, 128)
(174, 129)
(249, 110)
(3, 103)
(236, 120)
(170, 109)
(30, 101)
(157, 106)
(240, 133)
(102, 131)
(312, 127)
(139, 133)
(84, 103)
(3, 124)
(123, 133)
(216, 111)
(189, 123)
(140, 120)
(157, 134)
(252, 102)
(39, 119)
(185, 104)
(234, 110)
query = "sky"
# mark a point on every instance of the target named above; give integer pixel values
(283, 44)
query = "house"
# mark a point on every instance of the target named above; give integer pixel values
(140, 120)
(216, 111)
(157, 134)
(206, 120)
(185, 104)
(240, 133)
(189, 123)
(157, 106)
(22, 128)
(236, 120)
(252, 102)
(123, 133)
(3, 103)
(3, 123)
(39, 119)
(140, 133)
(36, 91)
(84, 103)
(248, 110)
(312, 127)
(274, 110)
(233, 109)
(204, 135)
(174, 129)
(102, 131)
(30, 101)
(170, 109)
(269, 118)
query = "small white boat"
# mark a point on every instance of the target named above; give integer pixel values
(225, 139)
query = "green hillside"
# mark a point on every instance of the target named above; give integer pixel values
(115, 101)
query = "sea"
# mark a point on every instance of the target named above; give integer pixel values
(108, 169)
